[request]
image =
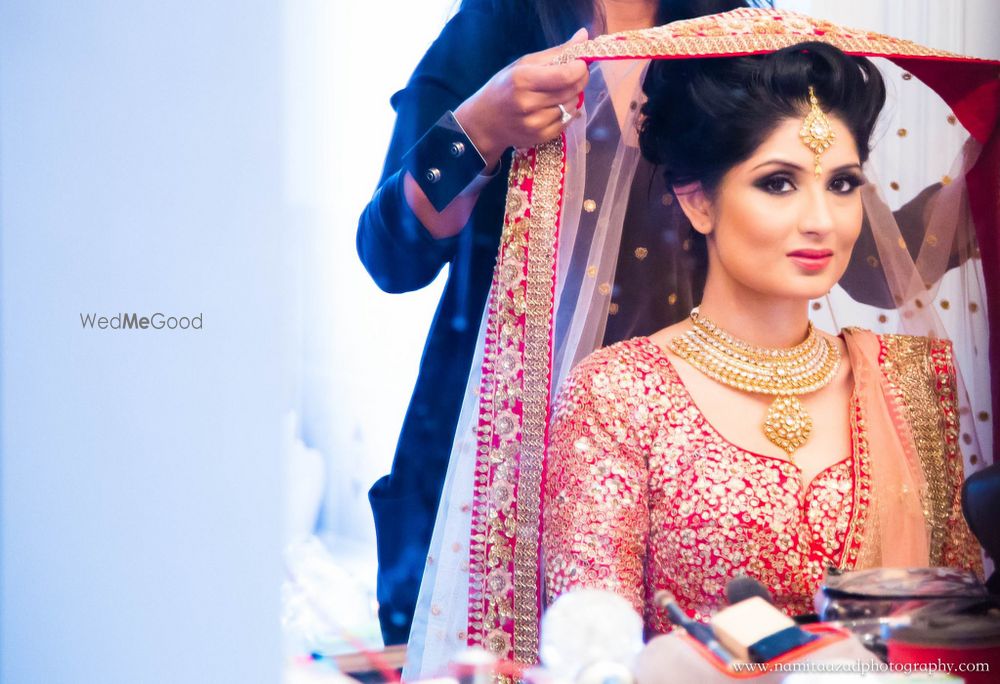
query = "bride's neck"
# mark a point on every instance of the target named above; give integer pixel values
(754, 318)
(628, 15)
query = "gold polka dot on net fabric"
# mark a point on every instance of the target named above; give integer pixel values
(983, 416)
(613, 309)
(672, 298)
(817, 306)
(973, 459)
(604, 288)
(907, 76)
(894, 185)
(872, 261)
(592, 271)
(882, 318)
(973, 307)
(967, 438)
(641, 253)
(945, 180)
(667, 199)
(945, 304)
(901, 132)
(952, 120)
(589, 206)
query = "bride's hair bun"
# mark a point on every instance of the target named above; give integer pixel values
(704, 116)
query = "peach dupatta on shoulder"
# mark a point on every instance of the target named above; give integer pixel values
(898, 534)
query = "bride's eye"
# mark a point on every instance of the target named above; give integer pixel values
(778, 184)
(846, 183)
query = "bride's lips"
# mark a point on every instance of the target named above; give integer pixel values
(811, 259)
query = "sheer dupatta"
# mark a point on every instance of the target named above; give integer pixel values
(926, 264)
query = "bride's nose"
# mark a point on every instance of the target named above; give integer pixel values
(817, 212)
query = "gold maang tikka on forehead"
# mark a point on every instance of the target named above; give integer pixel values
(816, 132)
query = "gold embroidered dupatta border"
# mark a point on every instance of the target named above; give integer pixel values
(504, 572)
(504, 599)
(919, 371)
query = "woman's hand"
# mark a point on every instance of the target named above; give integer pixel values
(519, 106)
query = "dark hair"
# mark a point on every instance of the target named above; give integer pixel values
(555, 21)
(704, 116)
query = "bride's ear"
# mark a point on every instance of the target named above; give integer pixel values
(696, 205)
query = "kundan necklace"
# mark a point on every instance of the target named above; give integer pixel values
(783, 373)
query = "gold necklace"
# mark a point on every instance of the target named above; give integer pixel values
(784, 373)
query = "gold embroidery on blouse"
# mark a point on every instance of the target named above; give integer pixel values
(643, 494)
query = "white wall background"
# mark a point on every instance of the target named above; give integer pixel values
(141, 163)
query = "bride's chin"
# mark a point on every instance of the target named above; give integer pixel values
(810, 287)
(805, 292)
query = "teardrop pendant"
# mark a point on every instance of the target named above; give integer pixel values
(787, 424)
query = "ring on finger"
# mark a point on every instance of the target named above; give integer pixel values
(565, 117)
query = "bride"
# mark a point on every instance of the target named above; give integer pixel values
(743, 440)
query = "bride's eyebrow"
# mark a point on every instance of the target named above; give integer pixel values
(791, 165)
(778, 162)
(847, 167)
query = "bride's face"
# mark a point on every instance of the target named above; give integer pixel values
(776, 228)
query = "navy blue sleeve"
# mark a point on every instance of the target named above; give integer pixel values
(395, 248)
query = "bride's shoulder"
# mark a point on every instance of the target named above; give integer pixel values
(614, 369)
(611, 382)
(629, 355)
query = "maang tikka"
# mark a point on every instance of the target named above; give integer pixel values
(816, 132)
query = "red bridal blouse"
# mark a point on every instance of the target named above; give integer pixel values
(643, 494)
